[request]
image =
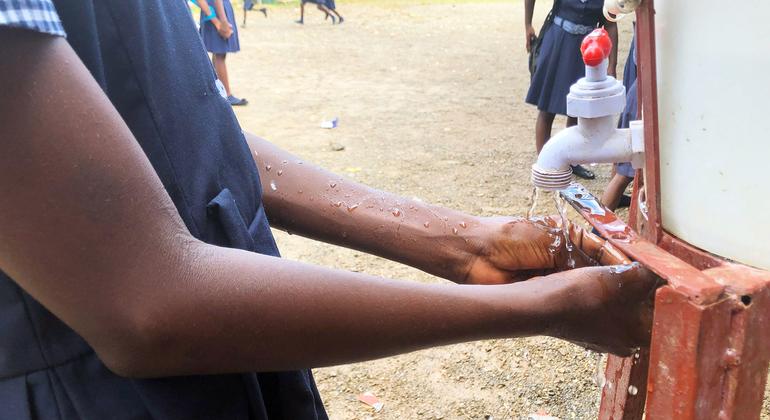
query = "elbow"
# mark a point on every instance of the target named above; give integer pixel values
(125, 365)
(134, 349)
(143, 332)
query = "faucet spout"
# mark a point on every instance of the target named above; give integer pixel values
(594, 140)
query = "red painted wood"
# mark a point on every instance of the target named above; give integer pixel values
(648, 96)
(622, 372)
(686, 354)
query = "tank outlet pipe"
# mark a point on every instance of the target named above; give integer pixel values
(596, 100)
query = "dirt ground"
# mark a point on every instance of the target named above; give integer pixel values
(430, 104)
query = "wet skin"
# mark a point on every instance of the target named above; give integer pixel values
(87, 228)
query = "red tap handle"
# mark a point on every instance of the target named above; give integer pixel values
(596, 47)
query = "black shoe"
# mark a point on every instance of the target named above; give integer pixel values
(582, 172)
(334, 20)
(301, 22)
(233, 101)
(263, 11)
(625, 201)
(341, 20)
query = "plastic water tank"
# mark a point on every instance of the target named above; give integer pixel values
(714, 108)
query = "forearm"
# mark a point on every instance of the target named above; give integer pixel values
(529, 11)
(307, 200)
(206, 9)
(244, 312)
(219, 7)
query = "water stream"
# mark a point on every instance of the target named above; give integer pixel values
(580, 198)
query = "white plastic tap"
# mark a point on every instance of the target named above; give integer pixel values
(596, 100)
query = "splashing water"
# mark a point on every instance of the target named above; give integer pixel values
(560, 207)
(533, 199)
(598, 377)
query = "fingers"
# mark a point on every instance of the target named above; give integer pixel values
(596, 248)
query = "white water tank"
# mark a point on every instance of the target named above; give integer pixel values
(713, 62)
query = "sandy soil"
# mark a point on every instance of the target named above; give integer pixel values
(430, 104)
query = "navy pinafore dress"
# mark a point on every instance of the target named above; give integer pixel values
(559, 63)
(149, 60)
(211, 39)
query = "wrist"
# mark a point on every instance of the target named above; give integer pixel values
(455, 240)
(530, 310)
(472, 244)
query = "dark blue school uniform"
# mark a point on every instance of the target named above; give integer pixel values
(148, 59)
(560, 63)
(629, 113)
(211, 39)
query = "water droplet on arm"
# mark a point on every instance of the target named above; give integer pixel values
(426, 224)
(273, 186)
(268, 168)
(280, 172)
(352, 207)
(463, 225)
(396, 212)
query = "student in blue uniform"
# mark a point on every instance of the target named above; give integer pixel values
(220, 36)
(613, 196)
(559, 63)
(327, 6)
(249, 5)
(139, 276)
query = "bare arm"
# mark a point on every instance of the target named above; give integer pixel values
(87, 228)
(529, 31)
(529, 11)
(206, 9)
(302, 198)
(219, 7)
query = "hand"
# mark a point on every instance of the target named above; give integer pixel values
(529, 35)
(606, 309)
(217, 23)
(515, 249)
(225, 30)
